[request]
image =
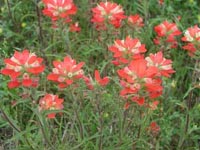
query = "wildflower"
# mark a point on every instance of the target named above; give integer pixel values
(154, 87)
(154, 128)
(153, 105)
(127, 105)
(66, 72)
(23, 69)
(59, 9)
(51, 102)
(107, 12)
(103, 82)
(135, 21)
(100, 81)
(192, 37)
(126, 50)
(88, 82)
(164, 65)
(161, 2)
(166, 32)
(139, 100)
(74, 27)
(137, 80)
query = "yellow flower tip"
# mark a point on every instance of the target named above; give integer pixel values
(198, 106)
(1, 30)
(2, 9)
(173, 84)
(23, 25)
(191, 1)
(198, 18)
(106, 115)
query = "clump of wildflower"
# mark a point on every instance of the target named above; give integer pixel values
(166, 34)
(23, 68)
(107, 13)
(192, 37)
(60, 11)
(141, 80)
(127, 50)
(51, 102)
(163, 65)
(66, 72)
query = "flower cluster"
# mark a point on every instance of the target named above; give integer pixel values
(98, 81)
(23, 69)
(164, 66)
(57, 9)
(61, 10)
(66, 72)
(126, 50)
(135, 21)
(141, 79)
(192, 37)
(141, 76)
(51, 102)
(166, 34)
(110, 13)
(107, 13)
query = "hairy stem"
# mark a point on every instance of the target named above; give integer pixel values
(40, 35)
(100, 125)
(77, 114)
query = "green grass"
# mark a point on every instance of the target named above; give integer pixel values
(96, 120)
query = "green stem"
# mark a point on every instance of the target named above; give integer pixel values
(100, 119)
(15, 127)
(44, 134)
(9, 121)
(11, 16)
(75, 105)
(40, 36)
(189, 105)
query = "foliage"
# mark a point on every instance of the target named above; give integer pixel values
(82, 100)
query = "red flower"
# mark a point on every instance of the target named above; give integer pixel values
(167, 32)
(153, 105)
(23, 68)
(99, 81)
(139, 100)
(140, 82)
(74, 27)
(135, 21)
(88, 82)
(164, 65)
(66, 72)
(126, 50)
(107, 12)
(192, 36)
(154, 87)
(135, 79)
(57, 9)
(127, 105)
(51, 102)
(161, 2)
(154, 128)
